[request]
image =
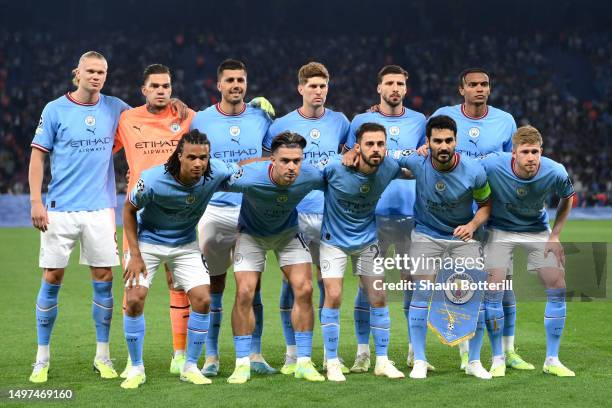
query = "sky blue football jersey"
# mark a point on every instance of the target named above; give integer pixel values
(518, 203)
(232, 138)
(405, 131)
(79, 139)
(477, 137)
(444, 198)
(350, 203)
(170, 210)
(324, 134)
(268, 208)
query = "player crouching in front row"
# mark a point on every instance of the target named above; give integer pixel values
(160, 217)
(520, 182)
(269, 221)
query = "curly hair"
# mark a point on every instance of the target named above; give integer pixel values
(173, 165)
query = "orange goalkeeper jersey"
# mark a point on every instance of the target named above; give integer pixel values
(148, 139)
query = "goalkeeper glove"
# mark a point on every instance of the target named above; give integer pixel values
(262, 103)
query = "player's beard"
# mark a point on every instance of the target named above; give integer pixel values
(230, 99)
(450, 154)
(368, 161)
(393, 103)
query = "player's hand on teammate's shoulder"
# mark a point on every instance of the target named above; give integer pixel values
(350, 158)
(407, 174)
(423, 150)
(554, 245)
(135, 267)
(40, 218)
(262, 103)
(464, 232)
(180, 108)
(374, 108)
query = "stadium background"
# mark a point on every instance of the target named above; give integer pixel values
(551, 66)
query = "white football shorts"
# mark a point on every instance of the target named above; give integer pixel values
(500, 246)
(289, 248)
(217, 234)
(94, 230)
(310, 228)
(188, 266)
(334, 260)
(428, 254)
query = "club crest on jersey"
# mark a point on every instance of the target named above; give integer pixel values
(234, 131)
(440, 186)
(521, 192)
(190, 199)
(474, 132)
(282, 198)
(315, 134)
(90, 120)
(394, 130)
(454, 293)
(175, 127)
(364, 188)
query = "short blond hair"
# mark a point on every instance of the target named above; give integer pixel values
(311, 70)
(88, 54)
(526, 135)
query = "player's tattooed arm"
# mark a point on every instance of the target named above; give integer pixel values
(179, 107)
(40, 218)
(136, 265)
(554, 244)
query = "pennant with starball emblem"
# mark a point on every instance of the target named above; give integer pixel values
(455, 302)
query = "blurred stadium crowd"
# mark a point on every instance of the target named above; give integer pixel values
(560, 82)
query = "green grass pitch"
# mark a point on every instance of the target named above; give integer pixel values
(586, 348)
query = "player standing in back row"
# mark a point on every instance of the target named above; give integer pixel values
(149, 134)
(394, 212)
(236, 131)
(325, 131)
(483, 129)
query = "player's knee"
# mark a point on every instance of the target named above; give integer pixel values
(333, 297)
(557, 282)
(303, 292)
(245, 294)
(134, 305)
(54, 276)
(377, 299)
(104, 274)
(200, 301)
